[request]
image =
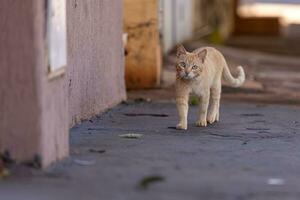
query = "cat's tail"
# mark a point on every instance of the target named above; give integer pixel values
(234, 82)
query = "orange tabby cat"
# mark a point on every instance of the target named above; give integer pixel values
(201, 72)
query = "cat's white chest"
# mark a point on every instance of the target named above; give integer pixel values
(197, 88)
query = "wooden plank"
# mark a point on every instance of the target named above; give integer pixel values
(143, 57)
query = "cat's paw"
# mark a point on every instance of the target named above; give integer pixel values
(217, 116)
(211, 118)
(201, 123)
(181, 126)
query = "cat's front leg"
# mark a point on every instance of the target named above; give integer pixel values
(182, 108)
(182, 91)
(203, 106)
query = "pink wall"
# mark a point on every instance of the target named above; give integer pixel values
(20, 110)
(54, 92)
(36, 112)
(96, 69)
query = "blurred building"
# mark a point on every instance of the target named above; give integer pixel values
(184, 20)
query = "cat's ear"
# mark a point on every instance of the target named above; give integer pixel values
(180, 50)
(202, 55)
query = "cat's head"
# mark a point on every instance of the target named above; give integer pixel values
(189, 65)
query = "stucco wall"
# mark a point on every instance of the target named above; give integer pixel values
(20, 103)
(34, 114)
(54, 144)
(95, 57)
(33, 109)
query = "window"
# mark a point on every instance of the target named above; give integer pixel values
(56, 36)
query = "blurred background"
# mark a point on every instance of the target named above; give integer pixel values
(261, 35)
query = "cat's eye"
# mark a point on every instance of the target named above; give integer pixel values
(182, 64)
(194, 67)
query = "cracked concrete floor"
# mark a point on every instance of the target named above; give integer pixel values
(253, 153)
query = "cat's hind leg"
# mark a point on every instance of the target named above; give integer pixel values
(214, 104)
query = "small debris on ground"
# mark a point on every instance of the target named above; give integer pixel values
(1, 164)
(139, 100)
(131, 135)
(6, 158)
(75, 151)
(97, 151)
(245, 142)
(3, 171)
(84, 162)
(125, 102)
(35, 163)
(194, 101)
(276, 181)
(172, 127)
(145, 182)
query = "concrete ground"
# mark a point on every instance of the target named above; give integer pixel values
(252, 153)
